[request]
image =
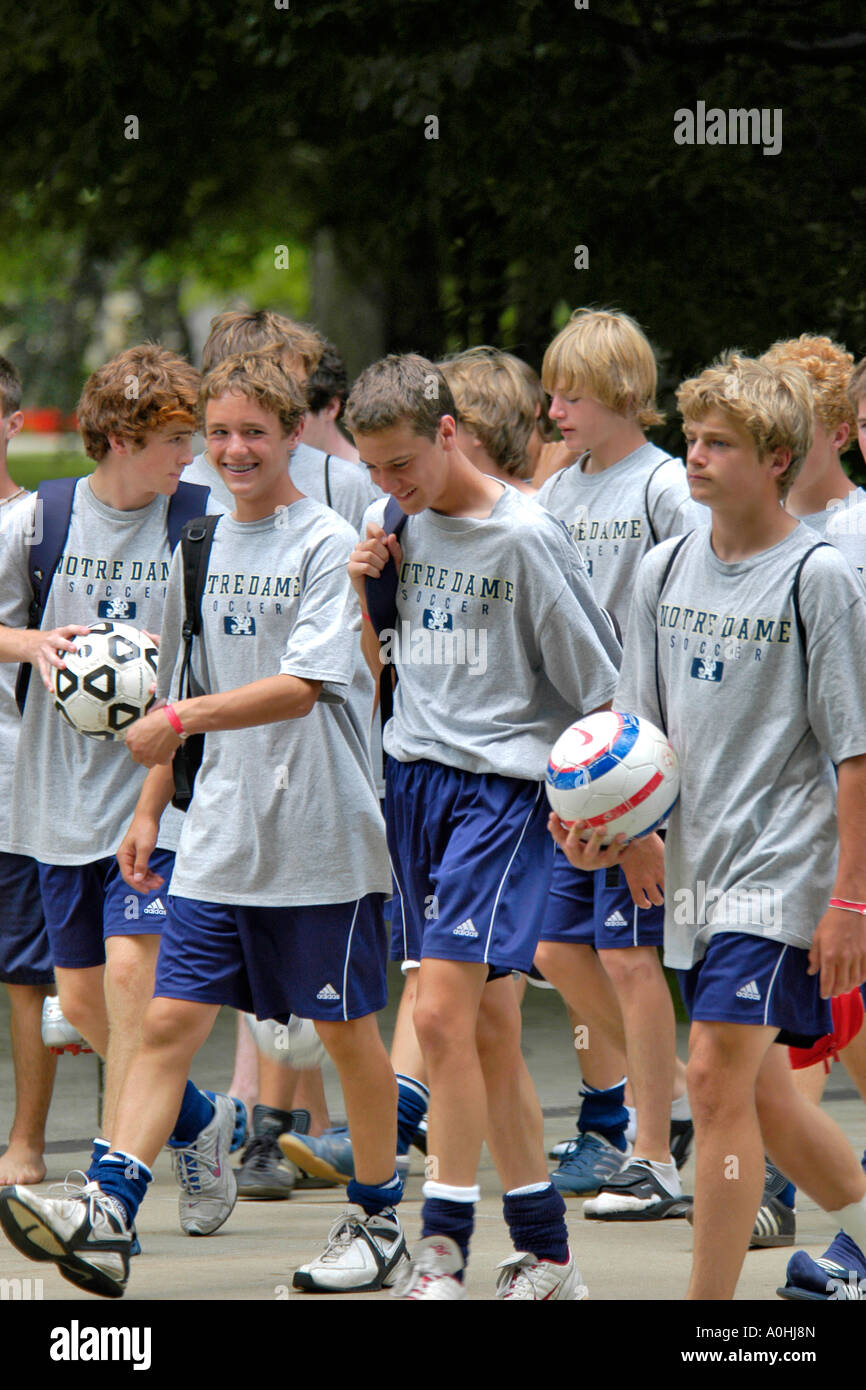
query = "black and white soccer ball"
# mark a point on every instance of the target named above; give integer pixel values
(106, 683)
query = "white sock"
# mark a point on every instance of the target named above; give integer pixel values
(852, 1219)
(680, 1108)
(631, 1127)
(446, 1193)
(665, 1172)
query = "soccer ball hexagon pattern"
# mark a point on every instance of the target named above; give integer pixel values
(105, 685)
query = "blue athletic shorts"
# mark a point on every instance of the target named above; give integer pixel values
(597, 909)
(328, 963)
(748, 979)
(472, 859)
(25, 954)
(85, 903)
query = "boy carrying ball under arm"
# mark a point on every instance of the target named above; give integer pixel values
(282, 870)
(740, 645)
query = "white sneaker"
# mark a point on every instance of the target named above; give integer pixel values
(202, 1169)
(431, 1273)
(363, 1252)
(58, 1034)
(87, 1236)
(524, 1276)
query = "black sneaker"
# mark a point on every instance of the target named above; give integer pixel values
(682, 1136)
(264, 1175)
(635, 1194)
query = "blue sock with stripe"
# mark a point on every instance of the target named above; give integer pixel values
(535, 1217)
(100, 1148)
(196, 1113)
(375, 1199)
(413, 1097)
(123, 1176)
(604, 1113)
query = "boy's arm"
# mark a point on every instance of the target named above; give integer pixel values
(153, 739)
(40, 649)
(839, 944)
(139, 841)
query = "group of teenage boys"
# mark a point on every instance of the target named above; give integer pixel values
(740, 633)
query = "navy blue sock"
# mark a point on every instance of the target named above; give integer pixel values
(195, 1114)
(454, 1219)
(375, 1199)
(604, 1113)
(122, 1176)
(100, 1148)
(536, 1221)
(413, 1098)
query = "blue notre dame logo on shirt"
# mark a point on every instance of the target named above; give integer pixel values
(437, 620)
(704, 668)
(116, 608)
(243, 626)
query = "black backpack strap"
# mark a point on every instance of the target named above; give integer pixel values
(666, 575)
(381, 596)
(54, 501)
(328, 480)
(795, 594)
(188, 502)
(196, 541)
(646, 505)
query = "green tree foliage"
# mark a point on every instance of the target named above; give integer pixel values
(258, 125)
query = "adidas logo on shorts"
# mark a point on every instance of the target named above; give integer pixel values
(466, 928)
(749, 991)
(615, 919)
(328, 992)
(155, 909)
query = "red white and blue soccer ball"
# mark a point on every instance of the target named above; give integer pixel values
(613, 771)
(106, 683)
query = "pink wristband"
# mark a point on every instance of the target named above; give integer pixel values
(846, 906)
(171, 715)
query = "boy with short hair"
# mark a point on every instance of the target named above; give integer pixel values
(25, 957)
(598, 941)
(739, 645)
(496, 413)
(326, 477)
(327, 393)
(822, 489)
(136, 415)
(284, 787)
(479, 567)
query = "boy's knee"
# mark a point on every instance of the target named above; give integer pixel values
(631, 967)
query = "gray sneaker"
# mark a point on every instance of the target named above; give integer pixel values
(264, 1175)
(207, 1181)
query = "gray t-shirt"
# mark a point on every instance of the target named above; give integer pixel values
(609, 515)
(73, 797)
(846, 529)
(499, 644)
(351, 490)
(10, 722)
(752, 842)
(837, 512)
(283, 814)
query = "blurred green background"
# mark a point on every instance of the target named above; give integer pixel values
(410, 177)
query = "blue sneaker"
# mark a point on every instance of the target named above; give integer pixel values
(328, 1156)
(588, 1166)
(839, 1274)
